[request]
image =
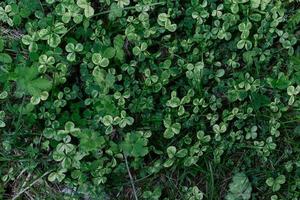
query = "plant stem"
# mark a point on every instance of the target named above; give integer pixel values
(130, 177)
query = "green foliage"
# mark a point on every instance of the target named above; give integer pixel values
(5, 58)
(29, 82)
(149, 99)
(135, 144)
(239, 188)
(276, 183)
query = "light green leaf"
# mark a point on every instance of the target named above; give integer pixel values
(255, 3)
(54, 40)
(2, 124)
(168, 163)
(270, 181)
(89, 11)
(107, 120)
(5, 58)
(171, 151)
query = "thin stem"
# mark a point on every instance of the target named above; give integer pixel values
(68, 30)
(130, 177)
(41, 5)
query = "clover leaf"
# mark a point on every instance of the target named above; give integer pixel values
(86, 6)
(72, 49)
(171, 128)
(99, 60)
(276, 183)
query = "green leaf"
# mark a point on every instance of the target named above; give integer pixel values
(136, 51)
(270, 181)
(220, 73)
(276, 187)
(54, 40)
(67, 148)
(173, 102)
(259, 100)
(296, 131)
(59, 175)
(31, 83)
(99, 60)
(182, 153)
(115, 11)
(91, 140)
(168, 133)
(241, 44)
(71, 57)
(135, 145)
(239, 188)
(281, 83)
(280, 179)
(3, 95)
(255, 3)
(107, 120)
(290, 90)
(70, 127)
(2, 124)
(5, 58)
(41, 84)
(109, 52)
(168, 163)
(176, 128)
(89, 11)
(70, 47)
(171, 151)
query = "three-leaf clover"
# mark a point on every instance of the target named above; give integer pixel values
(163, 20)
(292, 92)
(88, 9)
(72, 49)
(252, 133)
(276, 183)
(99, 60)
(171, 128)
(57, 175)
(124, 120)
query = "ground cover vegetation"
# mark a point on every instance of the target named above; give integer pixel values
(150, 99)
